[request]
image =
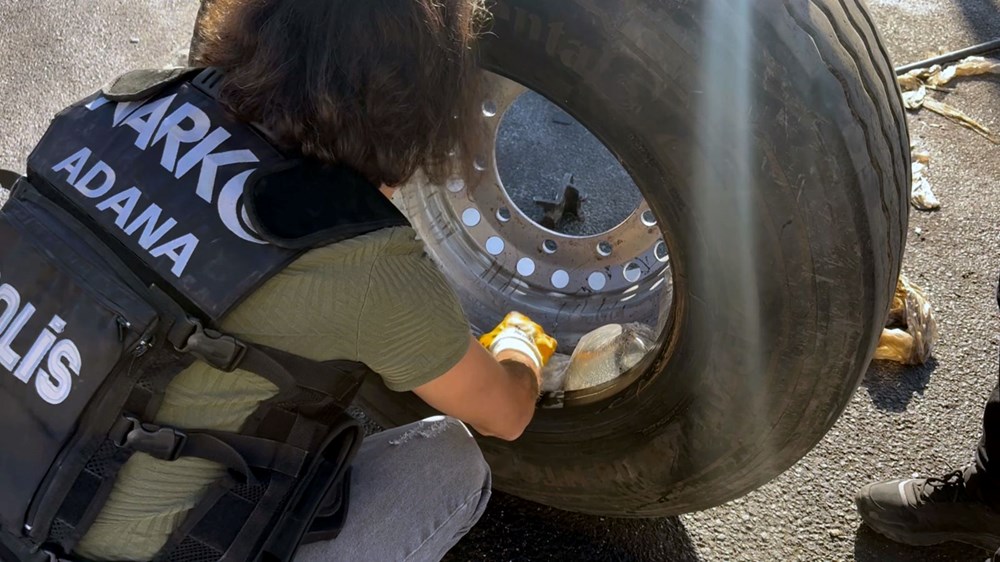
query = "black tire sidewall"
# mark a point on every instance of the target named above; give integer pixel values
(779, 290)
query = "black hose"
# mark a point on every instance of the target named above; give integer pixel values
(980, 49)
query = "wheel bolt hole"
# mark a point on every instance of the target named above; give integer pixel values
(597, 280)
(632, 272)
(495, 245)
(648, 219)
(479, 163)
(471, 217)
(550, 246)
(604, 248)
(489, 108)
(525, 267)
(503, 214)
(560, 279)
(660, 251)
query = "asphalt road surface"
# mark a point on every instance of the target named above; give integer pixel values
(900, 422)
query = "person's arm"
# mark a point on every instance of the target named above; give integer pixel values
(496, 396)
(413, 332)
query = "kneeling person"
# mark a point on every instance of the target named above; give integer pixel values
(200, 267)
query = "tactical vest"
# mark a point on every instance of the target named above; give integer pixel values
(145, 216)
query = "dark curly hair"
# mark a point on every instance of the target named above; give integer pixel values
(387, 87)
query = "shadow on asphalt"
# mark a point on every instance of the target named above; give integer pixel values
(517, 530)
(982, 20)
(984, 28)
(891, 386)
(870, 546)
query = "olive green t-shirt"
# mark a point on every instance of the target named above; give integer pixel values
(377, 299)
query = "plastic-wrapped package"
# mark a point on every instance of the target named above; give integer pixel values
(910, 332)
(601, 356)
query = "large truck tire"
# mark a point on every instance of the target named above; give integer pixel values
(768, 139)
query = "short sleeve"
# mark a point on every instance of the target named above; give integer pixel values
(412, 328)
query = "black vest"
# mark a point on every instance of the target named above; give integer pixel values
(146, 215)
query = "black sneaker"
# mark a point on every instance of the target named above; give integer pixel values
(925, 511)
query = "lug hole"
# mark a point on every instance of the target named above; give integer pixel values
(550, 246)
(525, 267)
(489, 108)
(495, 245)
(660, 251)
(597, 280)
(471, 217)
(503, 214)
(560, 279)
(604, 248)
(632, 272)
(648, 219)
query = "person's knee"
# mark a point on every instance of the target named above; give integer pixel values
(468, 465)
(468, 473)
(445, 450)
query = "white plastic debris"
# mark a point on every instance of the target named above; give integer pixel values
(915, 84)
(921, 195)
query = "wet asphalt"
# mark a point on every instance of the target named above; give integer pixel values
(902, 421)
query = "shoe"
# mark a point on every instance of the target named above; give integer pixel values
(925, 511)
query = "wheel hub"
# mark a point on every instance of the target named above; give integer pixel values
(574, 282)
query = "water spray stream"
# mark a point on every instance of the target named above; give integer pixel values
(725, 186)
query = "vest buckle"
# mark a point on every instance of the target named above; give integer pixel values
(159, 442)
(219, 350)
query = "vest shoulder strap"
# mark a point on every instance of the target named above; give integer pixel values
(142, 83)
(8, 178)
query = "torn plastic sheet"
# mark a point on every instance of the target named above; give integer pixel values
(601, 356)
(937, 76)
(971, 66)
(915, 84)
(911, 331)
(554, 373)
(921, 195)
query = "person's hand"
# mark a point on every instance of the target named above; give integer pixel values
(520, 333)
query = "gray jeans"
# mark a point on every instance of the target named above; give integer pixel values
(415, 491)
